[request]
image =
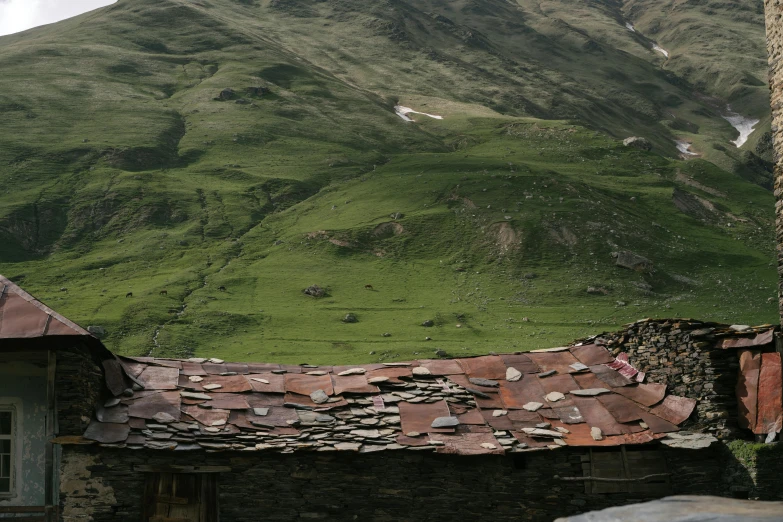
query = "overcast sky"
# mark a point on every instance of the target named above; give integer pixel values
(19, 15)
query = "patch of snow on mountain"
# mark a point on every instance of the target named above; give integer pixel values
(685, 148)
(403, 112)
(745, 126)
(630, 27)
(660, 49)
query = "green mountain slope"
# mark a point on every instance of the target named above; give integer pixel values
(214, 158)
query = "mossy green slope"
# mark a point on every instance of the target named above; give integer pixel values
(127, 172)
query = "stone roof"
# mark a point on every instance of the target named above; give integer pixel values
(494, 404)
(22, 316)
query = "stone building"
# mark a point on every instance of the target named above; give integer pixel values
(774, 23)
(528, 436)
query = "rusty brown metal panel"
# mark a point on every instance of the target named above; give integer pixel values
(305, 400)
(464, 381)
(521, 362)
(238, 368)
(352, 384)
(207, 417)
(471, 417)
(558, 361)
(394, 374)
(419, 417)
(473, 443)
(190, 368)
(596, 415)
(657, 424)
(107, 432)
(306, 384)
(610, 377)
(267, 382)
(516, 394)
(147, 407)
(498, 423)
(229, 401)
(674, 409)
(524, 419)
(167, 363)
(443, 367)
(261, 400)
(568, 414)
(770, 403)
(559, 383)
(132, 365)
(485, 367)
(228, 383)
(530, 441)
(213, 368)
(622, 409)
(747, 342)
(22, 316)
(159, 378)
(645, 394)
(20, 319)
(279, 416)
(588, 380)
(592, 354)
(748, 388)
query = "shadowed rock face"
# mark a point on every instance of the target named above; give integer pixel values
(687, 508)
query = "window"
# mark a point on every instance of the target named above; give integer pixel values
(6, 451)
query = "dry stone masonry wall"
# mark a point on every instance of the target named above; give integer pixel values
(390, 486)
(774, 22)
(685, 355)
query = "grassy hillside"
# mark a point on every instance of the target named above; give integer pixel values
(215, 158)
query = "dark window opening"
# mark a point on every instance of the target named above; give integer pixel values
(519, 462)
(6, 452)
(180, 497)
(741, 495)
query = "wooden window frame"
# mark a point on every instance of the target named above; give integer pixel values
(13, 406)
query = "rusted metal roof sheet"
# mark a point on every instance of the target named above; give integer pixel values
(770, 403)
(675, 409)
(22, 316)
(418, 418)
(747, 342)
(592, 354)
(645, 394)
(486, 367)
(521, 362)
(559, 361)
(748, 388)
(463, 406)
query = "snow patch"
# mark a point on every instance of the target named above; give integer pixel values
(660, 49)
(630, 27)
(685, 148)
(745, 126)
(403, 112)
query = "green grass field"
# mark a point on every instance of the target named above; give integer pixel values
(126, 173)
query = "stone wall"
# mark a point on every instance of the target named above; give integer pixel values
(79, 385)
(389, 486)
(774, 22)
(683, 355)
